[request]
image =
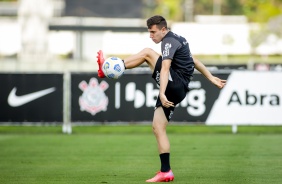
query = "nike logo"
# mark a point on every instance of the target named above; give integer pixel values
(16, 101)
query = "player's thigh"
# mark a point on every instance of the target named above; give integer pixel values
(151, 57)
(159, 120)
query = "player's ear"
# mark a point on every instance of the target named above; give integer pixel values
(163, 30)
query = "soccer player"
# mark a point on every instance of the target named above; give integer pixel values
(172, 71)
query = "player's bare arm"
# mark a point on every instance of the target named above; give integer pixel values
(163, 83)
(203, 70)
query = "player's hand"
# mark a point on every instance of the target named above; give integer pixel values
(220, 83)
(165, 102)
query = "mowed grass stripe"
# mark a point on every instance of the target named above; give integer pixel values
(133, 158)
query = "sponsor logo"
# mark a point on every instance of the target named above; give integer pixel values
(138, 97)
(16, 101)
(93, 98)
(170, 115)
(194, 102)
(158, 78)
(249, 98)
(106, 65)
(166, 49)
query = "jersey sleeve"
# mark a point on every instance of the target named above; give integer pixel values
(169, 47)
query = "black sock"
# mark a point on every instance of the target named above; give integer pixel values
(165, 166)
(124, 65)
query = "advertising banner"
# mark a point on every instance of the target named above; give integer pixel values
(31, 97)
(249, 98)
(132, 98)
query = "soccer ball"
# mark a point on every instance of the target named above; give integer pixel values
(113, 67)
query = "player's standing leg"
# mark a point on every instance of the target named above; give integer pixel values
(159, 127)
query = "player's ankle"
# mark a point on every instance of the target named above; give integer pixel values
(124, 65)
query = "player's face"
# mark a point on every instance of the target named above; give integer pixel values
(156, 34)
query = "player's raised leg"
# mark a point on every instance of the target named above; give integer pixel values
(146, 55)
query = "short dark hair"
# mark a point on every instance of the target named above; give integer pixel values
(157, 20)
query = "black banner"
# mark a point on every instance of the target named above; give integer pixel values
(31, 98)
(133, 97)
(105, 8)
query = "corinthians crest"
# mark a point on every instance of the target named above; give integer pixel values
(166, 49)
(93, 98)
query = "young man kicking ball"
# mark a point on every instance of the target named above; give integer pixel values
(172, 71)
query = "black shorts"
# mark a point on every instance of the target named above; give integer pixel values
(175, 92)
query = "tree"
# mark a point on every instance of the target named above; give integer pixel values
(171, 9)
(227, 7)
(261, 10)
(231, 7)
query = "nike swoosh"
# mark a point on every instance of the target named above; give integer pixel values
(16, 101)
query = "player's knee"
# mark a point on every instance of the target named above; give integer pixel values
(154, 129)
(157, 129)
(147, 52)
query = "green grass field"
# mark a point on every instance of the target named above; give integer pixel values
(128, 155)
